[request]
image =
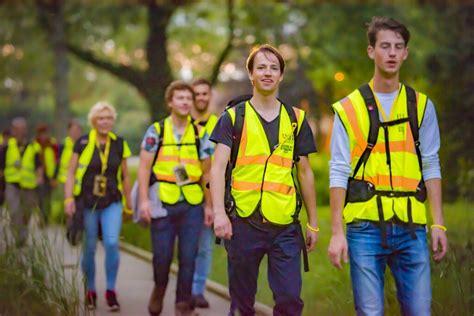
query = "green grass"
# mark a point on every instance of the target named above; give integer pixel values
(327, 291)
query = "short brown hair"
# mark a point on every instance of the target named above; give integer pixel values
(199, 81)
(177, 85)
(265, 48)
(380, 23)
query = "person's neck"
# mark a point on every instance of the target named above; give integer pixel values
(386, 84)
(102, 138)
(20, 140)
(265, 102)
(200, 116)
(179, 122)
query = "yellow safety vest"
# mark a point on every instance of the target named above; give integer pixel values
(170, 155)
(86, 157)
(21, 169)
(66, 155)
(262, 176)
(210, 125)
(49, 163)
(405, 170)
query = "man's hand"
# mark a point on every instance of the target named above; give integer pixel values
(222, 225)
(208, 216)
(439, 243)
(145, 211)
(70, 207)
(311, 239)
(337, 249)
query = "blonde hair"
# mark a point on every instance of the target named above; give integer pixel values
(97, 108)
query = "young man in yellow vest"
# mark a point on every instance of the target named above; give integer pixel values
(207, 120)
(274, 138)
(180, 167)
(384, 158)
(22, 169)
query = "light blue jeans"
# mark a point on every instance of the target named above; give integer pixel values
(203, 260)
(110, 219)
(408, 259)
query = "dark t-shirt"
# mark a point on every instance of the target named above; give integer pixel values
(115, 159)
(304, 143)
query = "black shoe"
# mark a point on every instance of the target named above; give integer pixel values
(200, 301)
(112, 302)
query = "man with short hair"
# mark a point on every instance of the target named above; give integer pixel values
(201, 116)
(179, 159)
(274, 139)
(384, 161)
(22, 169)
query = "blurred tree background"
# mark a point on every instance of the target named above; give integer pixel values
(57, 58)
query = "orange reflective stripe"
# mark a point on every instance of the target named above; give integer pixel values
(260, 160)
(407, 145)
(267, 186)
(408, 184)
(243, 138)
(352, 116)
(172, 178)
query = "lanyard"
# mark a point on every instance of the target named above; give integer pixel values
(104, 156)
(381, 110)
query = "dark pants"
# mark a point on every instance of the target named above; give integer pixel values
(185, 221)
(245, 252)
(44, 200)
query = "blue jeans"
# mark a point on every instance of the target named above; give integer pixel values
(185, 221)
(203, 260)
(245, 251)
(408, 259)
(110, 219)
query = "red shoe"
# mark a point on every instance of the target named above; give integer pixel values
(112, 302)
(91, 300)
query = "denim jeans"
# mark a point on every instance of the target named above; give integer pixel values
(110, 219)
(408, 259)
(203, 260)
(245, 252)
(185, 221)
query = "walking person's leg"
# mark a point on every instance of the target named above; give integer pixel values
(28, 203)
(367, 262)
(91, 222)
(13, 206)
(284, 272)
(202, 266)
(162, 233)
(111, 223)
(410, 267)
(244, 253)
(189, 227)
(44, 202)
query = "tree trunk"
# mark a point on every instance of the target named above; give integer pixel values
(52, 11)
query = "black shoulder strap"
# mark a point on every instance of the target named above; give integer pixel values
(413, 120)
(373, 112)
(197, 141)
(237, 132)
(291, 113)
(161, 123)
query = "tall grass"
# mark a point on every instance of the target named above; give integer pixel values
(33, 280)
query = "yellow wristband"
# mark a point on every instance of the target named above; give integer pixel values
(66, 201)
(439, 226)
(127, 211)
(312, 228)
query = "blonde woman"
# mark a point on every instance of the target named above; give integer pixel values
(97, 180)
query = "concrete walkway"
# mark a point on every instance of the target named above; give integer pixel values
(135, 281)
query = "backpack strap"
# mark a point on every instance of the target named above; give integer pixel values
(161, 132)
(413, 121)
(373, 112)
(197, 141)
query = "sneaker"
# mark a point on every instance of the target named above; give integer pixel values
(112, 302)
(91, 300)
(200, 301)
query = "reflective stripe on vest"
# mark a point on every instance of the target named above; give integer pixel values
(259, 174)
(171, 155)
(21, 169)
(66, 155)
(85, 159)
(406, 174)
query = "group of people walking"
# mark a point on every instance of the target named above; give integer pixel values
(246, 176)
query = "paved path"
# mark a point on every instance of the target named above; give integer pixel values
(134, 283)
